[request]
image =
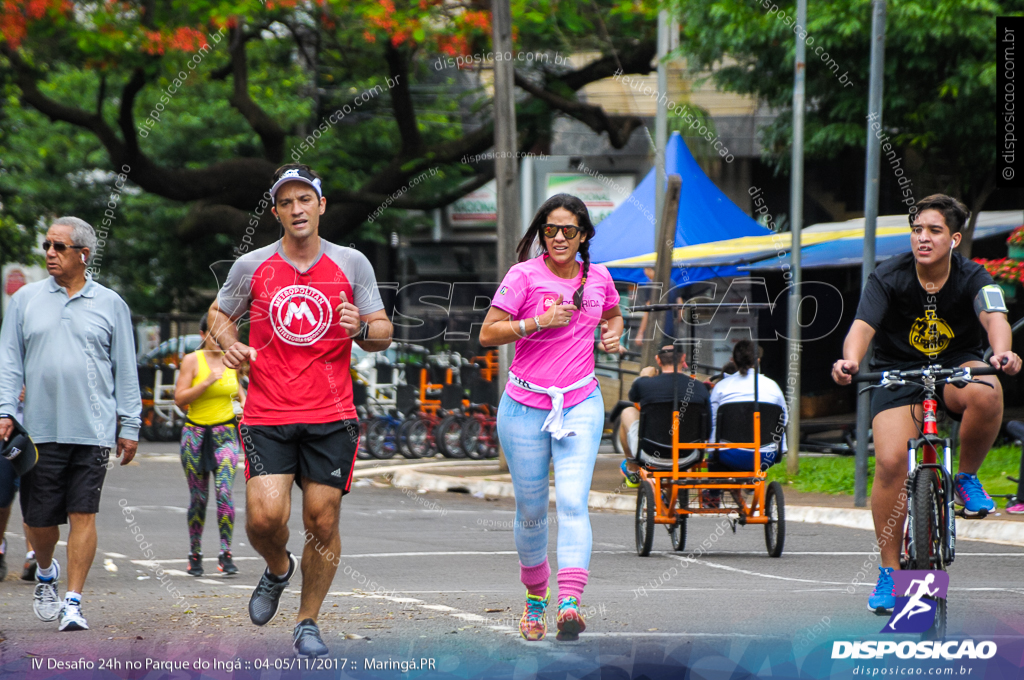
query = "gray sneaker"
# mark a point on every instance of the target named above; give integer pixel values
(307, 641)
(47, 603)
(266, 599)
(71, 617)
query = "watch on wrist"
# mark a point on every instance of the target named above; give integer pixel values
(364, 328)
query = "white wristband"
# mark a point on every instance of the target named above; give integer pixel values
(536, 320)
(522, 328)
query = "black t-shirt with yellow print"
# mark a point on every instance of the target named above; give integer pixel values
(914, 327)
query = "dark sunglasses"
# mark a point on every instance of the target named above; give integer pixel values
(551, 230)
(58, 246)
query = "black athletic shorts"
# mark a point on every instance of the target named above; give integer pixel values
(322, 452)
(885, 399)
(67, 478)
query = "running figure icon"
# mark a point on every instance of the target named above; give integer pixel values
(914, 604)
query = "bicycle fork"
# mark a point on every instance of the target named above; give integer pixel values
(929, 461)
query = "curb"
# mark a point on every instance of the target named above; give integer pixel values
(989, 530)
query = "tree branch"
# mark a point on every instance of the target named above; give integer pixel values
(270, 133)
(619, 128)
(401, 101)
(126, 119)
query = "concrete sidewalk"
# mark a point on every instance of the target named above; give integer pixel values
(608, 492)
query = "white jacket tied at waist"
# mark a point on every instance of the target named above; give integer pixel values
(553, 423)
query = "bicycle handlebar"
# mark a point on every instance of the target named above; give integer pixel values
(938, 373)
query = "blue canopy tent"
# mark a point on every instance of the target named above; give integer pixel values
(705, 215)
(846, 252)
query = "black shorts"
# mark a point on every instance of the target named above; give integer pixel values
(67, 478)
(885, 399)
(322, 452)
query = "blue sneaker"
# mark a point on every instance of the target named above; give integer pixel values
(632, 478)
(969, 493)
(883, 599)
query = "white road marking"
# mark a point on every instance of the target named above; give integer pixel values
(115, 555)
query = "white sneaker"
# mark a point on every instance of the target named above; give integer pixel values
(71, 617)
(47, 603)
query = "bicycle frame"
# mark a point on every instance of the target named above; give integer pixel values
(928, 443)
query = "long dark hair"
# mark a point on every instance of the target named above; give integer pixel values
(743, 355)
(577, 208)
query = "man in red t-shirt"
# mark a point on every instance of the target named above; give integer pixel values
(308, 300)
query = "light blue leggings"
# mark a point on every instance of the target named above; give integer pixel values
(529, 452)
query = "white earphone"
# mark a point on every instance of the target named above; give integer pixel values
(83, 258)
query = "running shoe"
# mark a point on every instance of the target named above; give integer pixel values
(71, 617)
(532, 626)
(883, 598)
(195, 564)
(307, 641)
(3, 566)
(632, 478)
(710, 499)
(1016, 509)
(28, 570)
(266, 599)
(47, 603)
(969, 493)
(226, 564)
(570, 619)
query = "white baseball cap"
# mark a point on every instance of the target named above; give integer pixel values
(297, 175)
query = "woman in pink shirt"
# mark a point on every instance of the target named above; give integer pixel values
(552, 408)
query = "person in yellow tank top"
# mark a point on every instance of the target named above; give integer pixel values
(209, 444)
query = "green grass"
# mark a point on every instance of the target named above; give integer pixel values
(834, 475)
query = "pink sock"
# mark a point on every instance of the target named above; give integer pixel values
(571, 582)
(536, 578)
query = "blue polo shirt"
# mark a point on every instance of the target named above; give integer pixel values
(76, 358)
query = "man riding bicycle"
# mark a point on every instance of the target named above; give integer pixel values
(929, 306)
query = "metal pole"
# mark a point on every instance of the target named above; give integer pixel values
(871, 170)
(796, 209)
(661, 115)
(663, 263)
(505, 146)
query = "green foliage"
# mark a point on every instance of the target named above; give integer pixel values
(939, 84)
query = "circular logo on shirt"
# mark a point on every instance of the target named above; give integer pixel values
(548, 301)
(300, 315)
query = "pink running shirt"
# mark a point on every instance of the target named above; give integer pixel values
(555, 357)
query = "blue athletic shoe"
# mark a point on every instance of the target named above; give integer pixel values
(632, 478)
(969, 493)
(883, 599)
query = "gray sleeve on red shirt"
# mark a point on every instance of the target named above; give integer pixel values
(236, 293)
(359, 272)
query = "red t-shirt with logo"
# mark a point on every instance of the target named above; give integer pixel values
(301, 370)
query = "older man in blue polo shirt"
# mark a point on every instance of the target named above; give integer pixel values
(69, 340)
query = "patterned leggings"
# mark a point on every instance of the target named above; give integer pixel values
(226, 450)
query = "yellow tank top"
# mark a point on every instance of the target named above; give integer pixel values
(213, 405)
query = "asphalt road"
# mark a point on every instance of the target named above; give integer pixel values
(445, 576)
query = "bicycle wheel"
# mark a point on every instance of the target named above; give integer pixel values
(644, 519)
(403, 438)
(381, 439)
(677, 531)
(775, 511)
(471, 439)
(926, 521)
(448, 436)
(417, 438)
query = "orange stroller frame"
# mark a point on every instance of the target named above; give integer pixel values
(664, 496)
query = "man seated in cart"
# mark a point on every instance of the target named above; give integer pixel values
(739, 387)
(656, 386)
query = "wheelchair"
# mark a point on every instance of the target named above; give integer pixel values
(671, 450)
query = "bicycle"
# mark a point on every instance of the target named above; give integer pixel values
(929, 539)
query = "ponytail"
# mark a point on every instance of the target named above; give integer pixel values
(577, 298)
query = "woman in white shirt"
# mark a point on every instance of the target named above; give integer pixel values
(739, 386)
